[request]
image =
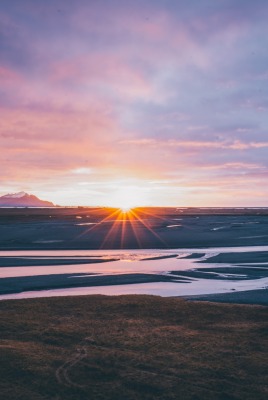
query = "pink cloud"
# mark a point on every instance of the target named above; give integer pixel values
(195, 144)
(35, 143)
(102, 72)
(152, 35)
(9, 76)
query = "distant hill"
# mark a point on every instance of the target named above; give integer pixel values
(23, 199)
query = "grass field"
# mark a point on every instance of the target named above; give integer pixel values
(132, 347)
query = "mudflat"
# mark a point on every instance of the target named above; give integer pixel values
(144, 228)
(245, 297)
(147, 228)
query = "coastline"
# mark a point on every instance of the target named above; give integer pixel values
(184, 274)
(248, 297)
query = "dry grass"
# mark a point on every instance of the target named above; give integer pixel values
(132, 347)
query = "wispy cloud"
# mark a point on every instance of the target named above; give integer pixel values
(233, 145)
(169, 92)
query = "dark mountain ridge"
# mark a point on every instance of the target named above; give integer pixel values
(23, 199)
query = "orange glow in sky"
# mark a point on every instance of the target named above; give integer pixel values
(126, 103)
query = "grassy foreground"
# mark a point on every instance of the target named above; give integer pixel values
(132, 347)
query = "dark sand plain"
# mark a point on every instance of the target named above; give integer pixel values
(146, 228)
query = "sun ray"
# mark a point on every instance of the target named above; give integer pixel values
(123, 229)
(125, 224)
(109, 216)
(115, 228)
(136, 235)
(133, 228)
(148, 227)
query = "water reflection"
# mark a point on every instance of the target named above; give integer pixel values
(159, 262)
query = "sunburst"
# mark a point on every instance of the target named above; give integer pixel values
(127, 221)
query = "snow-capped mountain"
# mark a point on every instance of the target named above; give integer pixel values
(22, 199)
(14, 195)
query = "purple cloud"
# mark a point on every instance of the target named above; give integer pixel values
(135, 91)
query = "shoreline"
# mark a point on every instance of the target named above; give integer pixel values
(248, 297)
(187, 274)
(61, 248)
(144, 285)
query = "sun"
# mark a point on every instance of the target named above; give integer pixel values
(127, 198)
(125, 210)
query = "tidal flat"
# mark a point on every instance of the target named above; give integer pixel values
(161, 272)
(162, 251)
(93, 228)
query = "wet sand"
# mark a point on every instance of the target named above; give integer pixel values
(257, 297)
(132, 272)
(64, 281)
(148, 228)
(47, 261)
(239, 258)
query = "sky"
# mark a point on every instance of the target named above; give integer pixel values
(125, 103)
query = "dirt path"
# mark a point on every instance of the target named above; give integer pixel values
(62, 373)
